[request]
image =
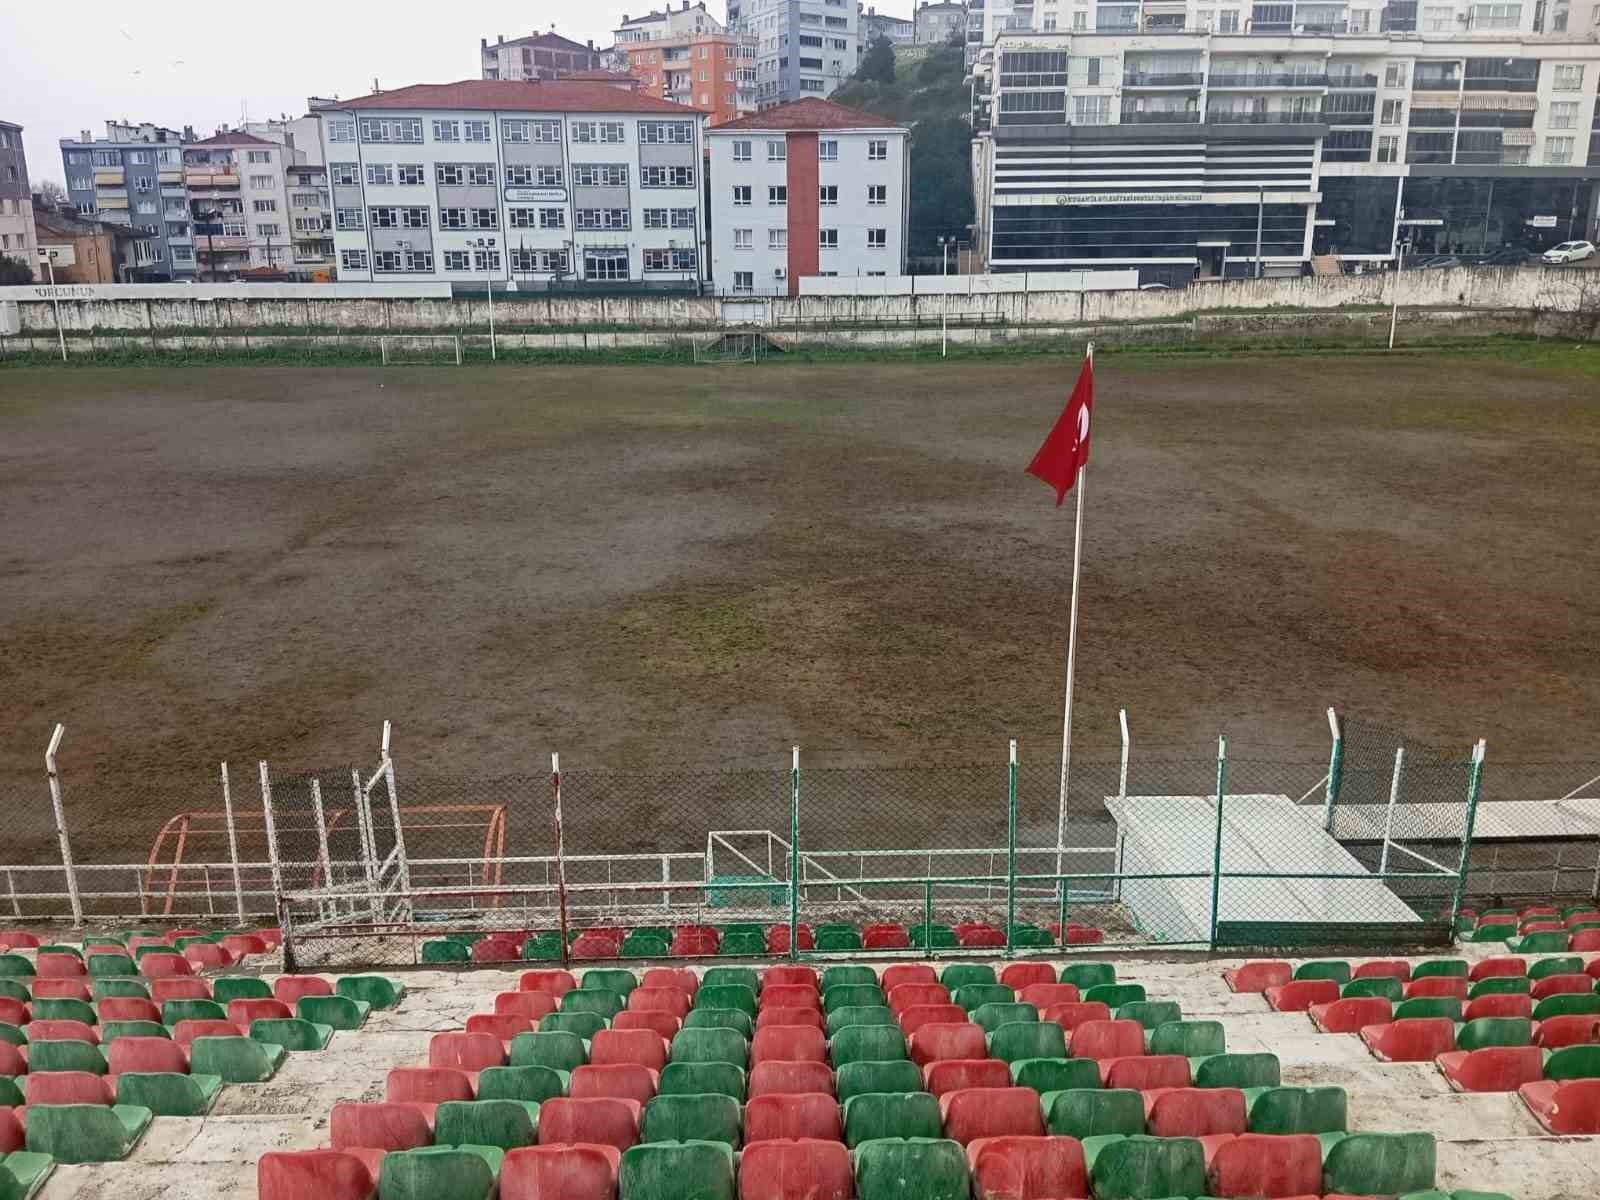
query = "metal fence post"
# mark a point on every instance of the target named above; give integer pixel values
(394, 809)
(272, 844)
(1216, 861)
(1388, 816)
(1011, 846)
(1335, 770)
(322, 834)
(1474, 784)
(927, 916)
(61, 824)
(233, 844)
(561, 861)
(1122, 795)
(794, 855)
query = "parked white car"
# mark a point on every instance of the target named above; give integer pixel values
(1569, 252)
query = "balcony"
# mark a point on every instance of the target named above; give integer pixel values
(1264, 80)
(1176, 116)
(205, 243)
(1161, 79)
(1352, 83)
(108, 177)
(206, 177)
(1490, 83)
(1215, 117)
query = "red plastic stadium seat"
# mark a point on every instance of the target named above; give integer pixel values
(1258, 976)
(918, 1015)
(291, 989)
(1074, 1013)
(790, 1078)
(124, 1008)
(209, 954)
(532, 1005)
(931, 1043)
(1490, 968)
(974, 1113)
(1106, 1039)
(13, 1136)
(1493, 1068)
(1021, 975)
(503, 1026)
(1584, 941)
(59, 966)
(882, 927)
(1573, 1029)
(427, 1086)
(638, 1046)
(140, 941)
(1548, 925)
(63, 1031)
(688, 930)
(685, 980)
(971, 927)
(1412, 1039)
(242, 1012)
(587, 947)
(958, 1074)
(1047, 995)
(1565, 1106)
(791, 975)
(1257, 1164)
(1351, 1014)
(793, 1115)
(768, 1018)
(1498, 1005)
(164, 966)
(1079, 935)
(242, 945)
(1298, 995)
(660, 999)
(663, 1024)
(778, 938)
(606, 1122)
(552, 982)
(1582, 918)
(621, 1081)
(173, 935)
(916, 995)
(68, 1087)
(15, 1012)
(324, 1174)
(1140, 1072)
(1561, 985)
(686, 945)
(466, 1051)
(580, 1172)
(384, 1126)
(790, 995)
(61, 989)
(802, 1169)
(185, 1032)
(179, 987)
(18, 939)
(1027, 1168)
(111, 948)
(1393, 968)
(496, 950)
(13, 1059)
(789, 1043)
(976, 938)
(886, 939)
(146, 1055)
(1194, 1112)
(902, 973)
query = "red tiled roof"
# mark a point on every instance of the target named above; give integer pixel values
(612, 77)
(237, 138)
(809, 114)
(512, 95)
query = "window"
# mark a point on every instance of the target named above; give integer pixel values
(600, 175)
(483, 218)
(1091, 110)
(878, 150)
(345, 175)
(486, 260)
(1558, 150)
(670, 260)
(1436, 18)
(379, 174)
(349, 219)
(107, 158)
(269, 231)
(602, 218)
(1080, 22)
(744, 281)
(550, 262)
(828, 195)
(452, 218)
(480, 174)
(777, 151)
(828, 150)
(515, 131)
(1496, 16)
(1393, 111)
(353, 260)
(741, 195)
(383, 218)
(1228, 21)
(597, 131)
(260, 183)
(448, 131)
(673, 177)
(343, 131)
(777, 239)
(1568, 77)
(1394, 75)
(450, 174)
(606, 263)
(778, 194)
(264, 206)
(419, 260)
(415, 217)
(391, 129)
(518, 176)
(656, 218)
(457, 260)
(235, 229)
(666, 133)
(741, 152)
(552, 218)
(476, 131)
(186, 254)
(744, 239)
(259, 156)
(411, 174)
(1564, 114)
(828, 239)
(877, 239)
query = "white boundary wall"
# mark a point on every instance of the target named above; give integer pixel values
(969, 285)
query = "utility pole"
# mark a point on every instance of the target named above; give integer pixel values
(1261, 213)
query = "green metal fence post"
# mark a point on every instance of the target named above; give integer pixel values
(1011, 845)
(1216, 860)
(1474, 783)
(927, 916)
(794, 857)
(1335, 770)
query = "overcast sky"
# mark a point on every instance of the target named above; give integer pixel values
(69, 67)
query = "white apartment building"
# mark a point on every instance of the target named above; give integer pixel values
(516, 182)
(239, 204)
(669, 23)
(804, 47)
(18, 238)
(310, 214)
(804, 189)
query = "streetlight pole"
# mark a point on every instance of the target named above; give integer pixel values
(50, 265)
(486, 245)
(1400, 270)
(1261, 213)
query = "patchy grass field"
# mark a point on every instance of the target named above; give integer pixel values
(643, 566)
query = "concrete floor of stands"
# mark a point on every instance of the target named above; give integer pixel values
(1486, 1141)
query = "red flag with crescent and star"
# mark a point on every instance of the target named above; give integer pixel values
(1066, 448)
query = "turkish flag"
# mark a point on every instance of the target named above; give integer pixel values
(1066, 449)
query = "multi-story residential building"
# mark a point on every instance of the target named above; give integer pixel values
(937, 22)
(310, 211)
(804, 48)
(134, 177)
(239, 204)
(1167, 147)
(17, 238)
(91, 249)
(537, 56)
(714, 72)
(516, 182)
(898, 31)
(667, 24)
(804, 189)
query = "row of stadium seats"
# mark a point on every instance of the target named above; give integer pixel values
(787, 1084)
(1535, 929)
(217, 948)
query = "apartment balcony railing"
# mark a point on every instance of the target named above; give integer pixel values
(1265, 118)
(205, 243)
(205, 177)
(1489, 83)
(1352, 83)
(1161, 79)
(1264, 80)
(1315, 27)
(1161, 117)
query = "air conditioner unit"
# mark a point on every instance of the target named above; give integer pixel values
(779, 273)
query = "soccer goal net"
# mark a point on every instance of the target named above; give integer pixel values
(414, 349)
(731, 348)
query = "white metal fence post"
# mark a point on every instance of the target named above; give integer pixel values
(322, 833)
(233, 845)
(1388, 816)
(394, 809)
(61, 823)
(1122, 794)
(272, 836)
(363, 832)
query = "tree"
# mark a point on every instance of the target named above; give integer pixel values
(1568, 304)
(878, 65)
(941, 182)
(52, 193)
(14, 271)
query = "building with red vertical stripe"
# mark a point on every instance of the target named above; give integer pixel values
(805, 189)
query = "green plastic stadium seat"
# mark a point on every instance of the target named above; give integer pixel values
(23, 1174)
(992, 1016)
(1254, 1070)
(437, 1173)
(174, 1011)
(702, 1079)
(1055, 1074)
(291, 1033)
(1377, 1164)
(1500, 985)
(710, 1045)
(112, 1030)
(240, 987)
(1567, 1004)
(15, 965)
(595, 1000)
(677, 1171)
(1495, 931)
(636, 946)
(169, 1094)
(1385, 986)
(721, 1018)
(534, 1084)
(704, 1118)
(110, 966)
(1544, 942)
(1031, 938)
(1282, 1110)
(375, 991)
(85, 1133)
(1087, 1112)
(1573, 1062)
(727, 995)
(504, 1124)
(445, 950)
(1115, 995)
(934, 937)
(1192, 1039)
(838, 940)
(1428, 1006)
(64, 1010)
(911, 1169)
(1494, 1031)
(972, 996)
(336, 1012)
(742, 976)
(960, 975)
(542, 949)
(852, 995)
(852, 975)
(66, 1056)
(1565, 964)
(1335, 969)
(1453, 967)
(11, 1092)
(1028, 1039)
(859, 1078)
(858, 1014)
(107, 988)
(609, 979)
(15, 988)
(890, 1115)
(235, 1059)
(557, 1049)
(1138, 1166)
(581, 1024)
(13, 1034)
(865, 1043)
(1085, 975)
(1150, 1013)
(743, 945)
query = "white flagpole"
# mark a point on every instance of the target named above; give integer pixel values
(1072, 660)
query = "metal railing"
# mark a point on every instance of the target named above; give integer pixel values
(1215, 117)
(1267, 80)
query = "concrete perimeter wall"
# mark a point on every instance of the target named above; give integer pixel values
(176, 309)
